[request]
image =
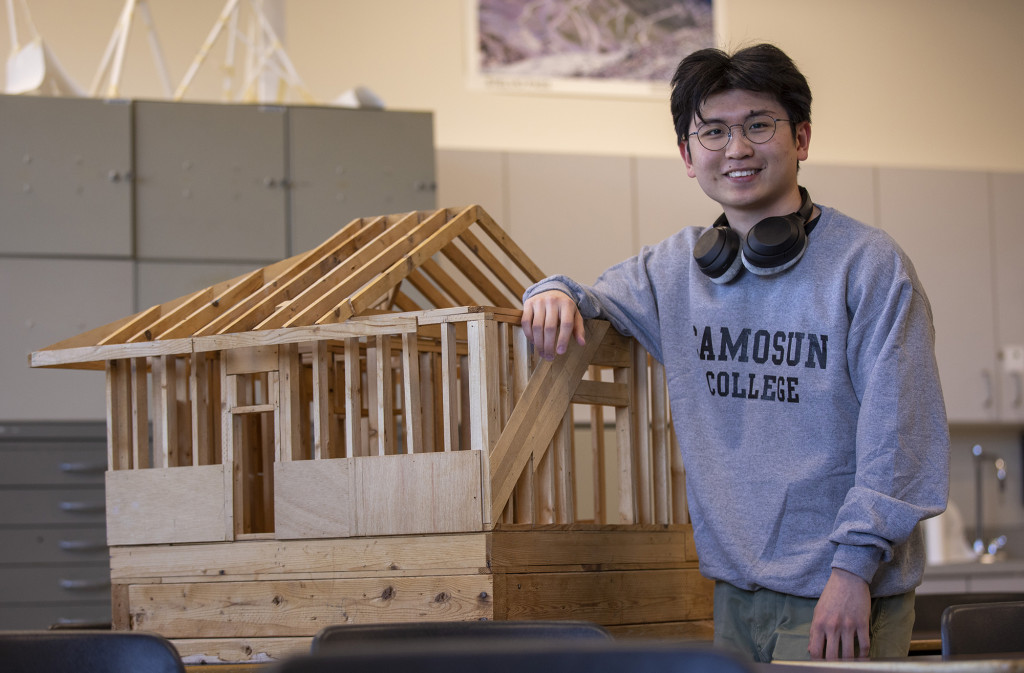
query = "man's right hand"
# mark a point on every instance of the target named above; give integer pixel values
(549, 320)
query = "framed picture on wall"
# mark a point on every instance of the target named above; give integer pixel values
(602, 47)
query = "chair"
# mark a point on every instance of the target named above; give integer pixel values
(983, 628)
(502, 655)
(928, 608)
(87, 652)
(343, 635)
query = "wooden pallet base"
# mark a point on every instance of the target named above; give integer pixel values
(261, 599)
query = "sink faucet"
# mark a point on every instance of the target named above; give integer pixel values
(986, 553)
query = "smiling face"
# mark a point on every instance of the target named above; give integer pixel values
(750, 181)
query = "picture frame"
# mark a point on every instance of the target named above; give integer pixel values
(598, 47)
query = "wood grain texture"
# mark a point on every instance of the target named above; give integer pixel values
(611, 597)
(698, 631)
(302, 607)
(538, 414)
(337, 557)
(160, 505)
(418, 493)
(565, 548)
(314, 499)
(249, 655)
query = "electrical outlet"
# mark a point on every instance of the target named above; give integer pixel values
(1013, 358)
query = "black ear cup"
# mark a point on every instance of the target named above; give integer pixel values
(774, 244)
(717, 252)
(771, 246)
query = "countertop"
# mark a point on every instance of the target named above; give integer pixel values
(1008, 566)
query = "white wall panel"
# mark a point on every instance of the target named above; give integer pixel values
(850, 189)
(571, 214)
(668, 200)
(465, 177)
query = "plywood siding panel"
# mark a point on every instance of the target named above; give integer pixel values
(418, 493)
(313, 499)
(160, 505)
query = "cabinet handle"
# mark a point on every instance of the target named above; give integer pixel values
(84, 585)
(79, 622)
(81, 545)
(82, 507)
(84, 468)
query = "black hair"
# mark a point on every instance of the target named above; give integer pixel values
(762, 68)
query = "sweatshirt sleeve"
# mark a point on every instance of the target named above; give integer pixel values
(902, 435)
(622, 295)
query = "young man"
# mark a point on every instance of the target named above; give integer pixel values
(801, 374)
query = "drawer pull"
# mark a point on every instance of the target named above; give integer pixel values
(82, 545)
(79, 622)
(95, 467)
(84, 585)
(82, 507)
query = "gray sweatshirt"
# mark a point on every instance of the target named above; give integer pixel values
(807, 404)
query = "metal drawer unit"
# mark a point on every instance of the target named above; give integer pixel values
(54, 563)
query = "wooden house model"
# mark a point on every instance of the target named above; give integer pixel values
(360, 434)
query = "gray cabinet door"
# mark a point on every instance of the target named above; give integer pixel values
(1008, 249)
(65, 176)
(356, 163)
(942, 219)
(210, 181)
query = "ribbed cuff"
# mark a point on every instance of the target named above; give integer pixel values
(861, 561)
(551, 283)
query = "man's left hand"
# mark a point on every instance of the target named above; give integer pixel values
(842, 613)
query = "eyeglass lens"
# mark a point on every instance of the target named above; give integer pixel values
(716, 135)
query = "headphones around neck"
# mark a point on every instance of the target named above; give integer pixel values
(771, 246)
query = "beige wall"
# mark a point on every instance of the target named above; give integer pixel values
(896, 82)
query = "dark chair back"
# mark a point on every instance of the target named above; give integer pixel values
(343, 635)
(928, 609)
(983, 628)
(75, 651)
(487, 655)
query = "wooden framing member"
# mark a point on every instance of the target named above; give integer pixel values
(353, 399)
(119, 433)
(539, 412)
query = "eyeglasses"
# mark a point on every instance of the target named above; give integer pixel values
(758, 129)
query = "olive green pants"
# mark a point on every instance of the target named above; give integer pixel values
(765, 625)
